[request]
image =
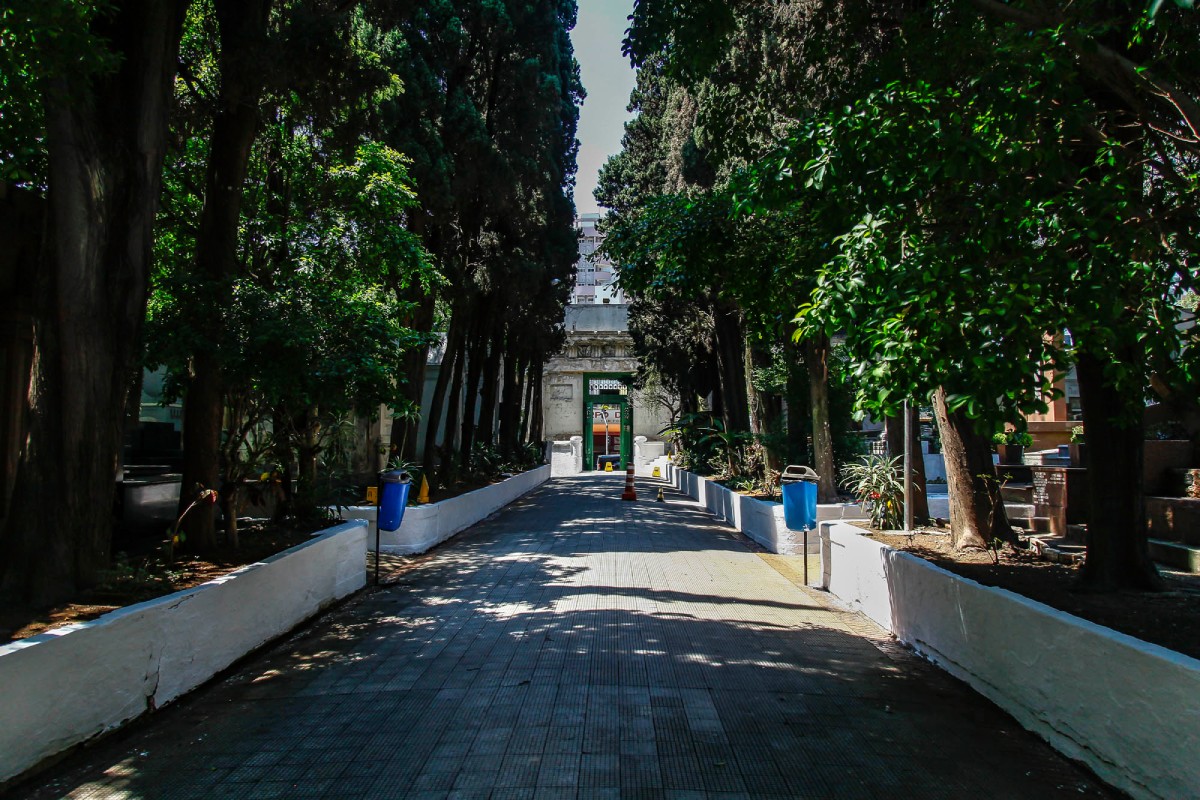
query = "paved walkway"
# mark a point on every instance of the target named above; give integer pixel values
(576, 646)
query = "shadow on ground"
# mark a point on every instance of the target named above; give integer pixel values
(575, 646)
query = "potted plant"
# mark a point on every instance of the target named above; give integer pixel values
(1011, 446)
(1078, 447)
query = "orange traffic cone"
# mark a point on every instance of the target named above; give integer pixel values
(629, 494)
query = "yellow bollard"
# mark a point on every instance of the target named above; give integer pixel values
(657, 472)
(608, 466)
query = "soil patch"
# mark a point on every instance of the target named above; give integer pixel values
(141, 572)
(1170, 618)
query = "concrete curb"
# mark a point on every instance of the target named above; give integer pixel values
(1124, 707)
(72, 683)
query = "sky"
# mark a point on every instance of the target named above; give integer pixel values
(608, 79)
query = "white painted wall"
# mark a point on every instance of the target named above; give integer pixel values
(428, 525)
(565, 457)
(1126, 708)
(72, 683)
(646, 452)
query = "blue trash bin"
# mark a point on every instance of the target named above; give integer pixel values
(799, 487)
(393, 497)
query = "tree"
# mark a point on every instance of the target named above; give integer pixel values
(1052, 186)
(103, 142)
(306, 328)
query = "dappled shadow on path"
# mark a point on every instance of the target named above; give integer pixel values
(570, 645)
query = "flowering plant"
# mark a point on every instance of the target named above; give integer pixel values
(877, 484)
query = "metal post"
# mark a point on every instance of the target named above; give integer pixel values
(806, 556)
(378, 507)
(908, 446)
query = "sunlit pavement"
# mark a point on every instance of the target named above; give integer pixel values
(578, 646)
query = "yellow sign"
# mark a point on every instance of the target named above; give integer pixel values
(373, 495)
(657, 472)
(608, 466)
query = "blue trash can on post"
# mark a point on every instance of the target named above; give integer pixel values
(798, 485)
(393, 497)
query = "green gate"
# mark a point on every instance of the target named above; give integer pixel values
(607, 419)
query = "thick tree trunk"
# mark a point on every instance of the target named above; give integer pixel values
(816, 359)
(1117, 554)
(404, 434)
(243, 29)
(203, 411)
(893, 435)
(735, 411)
(105, 137)
(977, 516)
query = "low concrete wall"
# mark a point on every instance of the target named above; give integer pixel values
(565, 457)
(1122, 706)
(760, 520)
(428, 525)
(72, 683)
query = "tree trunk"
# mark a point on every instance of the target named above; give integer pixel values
(510, 407)
(105, 140)
(485, 431)
(977, 516)
(433, 415)
(1117, 554)
(478, 352)
(535, 408)
(754, 400)
(243, 29)
(816, 359)
(282, 449)
(454, 404)
(735, 410)
(527, 405)
(404, 433)
(770, 414)
(893, 435)
(22, 229)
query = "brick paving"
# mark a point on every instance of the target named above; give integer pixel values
(578, 647)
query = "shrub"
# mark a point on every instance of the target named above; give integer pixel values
(876, 483)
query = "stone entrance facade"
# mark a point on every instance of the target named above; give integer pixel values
(592, 415)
